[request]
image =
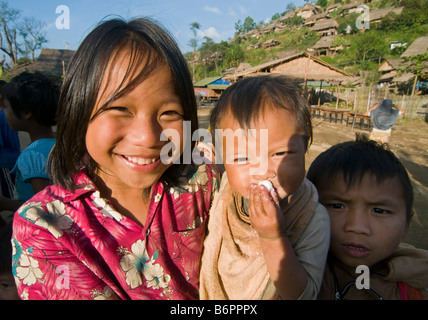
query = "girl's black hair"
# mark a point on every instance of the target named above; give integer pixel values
(247, 98)
(34, 93)
(148, 45)
(353, 159)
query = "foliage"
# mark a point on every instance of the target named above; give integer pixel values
(362, 51)
(19, 37)
(415, 14)
(248, 25)
(322, 3)
(418, 65)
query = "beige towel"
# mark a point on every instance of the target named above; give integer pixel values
(233, 266)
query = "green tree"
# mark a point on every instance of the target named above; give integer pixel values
(8, 36)
(276, 16)
(249, 24)
(33, 35)
(366, 46)
(194, 26)
(322, 3)
(242, 28)
(417, 65)
(234, 55)
(290, 7)
(19, 36)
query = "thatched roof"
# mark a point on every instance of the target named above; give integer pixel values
(313, 69)
(316, 17)
(406, 77)
(390, 64)
(50, 61)
(324, 24)
(324, 42)
(419, 46)
(381, 13)
(351, 5)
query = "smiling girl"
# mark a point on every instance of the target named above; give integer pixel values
(119, 223)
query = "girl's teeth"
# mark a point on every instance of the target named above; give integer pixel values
(358, 248)
(140, 161)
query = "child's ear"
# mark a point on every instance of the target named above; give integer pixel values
(26, 115)
(406, 229)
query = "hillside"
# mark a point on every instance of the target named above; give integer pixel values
(337, 33)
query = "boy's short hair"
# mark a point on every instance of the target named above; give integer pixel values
(247, 98)
(354, 159)
(32, 92)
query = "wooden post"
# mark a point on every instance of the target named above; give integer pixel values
(319, 95)
(337, 97)
(368, 99)
(414, 85)
(355, 100)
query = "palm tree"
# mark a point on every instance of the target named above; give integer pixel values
(194, 42)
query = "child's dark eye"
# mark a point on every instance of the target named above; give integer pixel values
(114, 108)
(280, 154)
(240, 160)
(172, 114)
(336, 206)
(380, 211)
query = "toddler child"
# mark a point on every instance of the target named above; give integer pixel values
(369, 197)
(121, 221)
(264, 244)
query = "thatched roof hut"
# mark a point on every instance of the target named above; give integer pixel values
(50, 61)
(379, 14)
(301, 65)
(325, 46)
(326, 27)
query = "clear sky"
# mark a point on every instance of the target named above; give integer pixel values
(216, 18)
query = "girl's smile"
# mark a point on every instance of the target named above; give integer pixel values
(141, 164)
(124, 137)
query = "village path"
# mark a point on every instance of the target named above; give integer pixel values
(409, 142)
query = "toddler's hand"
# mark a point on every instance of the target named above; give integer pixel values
(265, 214)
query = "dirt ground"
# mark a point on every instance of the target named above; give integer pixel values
(409, 142)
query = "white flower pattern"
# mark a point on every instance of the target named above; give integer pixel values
(28, 270)
(138, 262)
(106, 209)
(54, 219)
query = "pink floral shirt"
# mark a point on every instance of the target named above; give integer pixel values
(77, 246)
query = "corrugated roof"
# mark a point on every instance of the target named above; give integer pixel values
(205, 82)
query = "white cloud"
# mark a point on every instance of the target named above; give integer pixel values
(211, 32)
(231, 12)
(243, 10)
(212, 9)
